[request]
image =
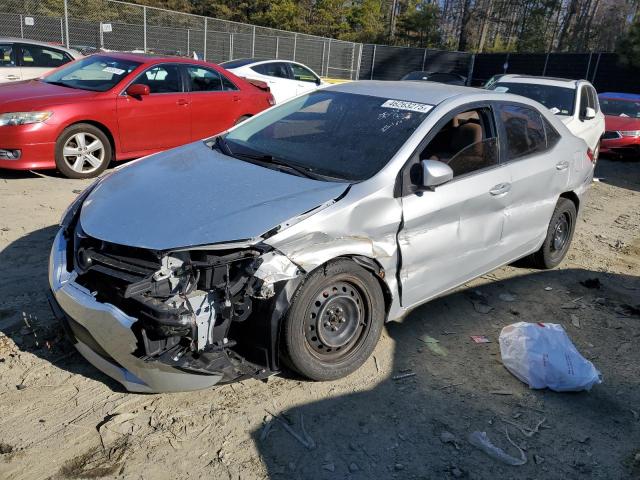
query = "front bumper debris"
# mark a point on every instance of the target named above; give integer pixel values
(116, 341)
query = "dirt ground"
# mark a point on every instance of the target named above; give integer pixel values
(61, 418)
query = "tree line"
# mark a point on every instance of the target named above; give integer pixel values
(466, 25)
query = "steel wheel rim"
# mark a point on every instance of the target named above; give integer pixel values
(83, 152)
(561, 233)
(336, 321)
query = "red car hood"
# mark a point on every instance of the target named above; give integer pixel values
(33, 94)
(616, 123)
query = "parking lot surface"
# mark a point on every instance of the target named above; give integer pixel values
(406, 413)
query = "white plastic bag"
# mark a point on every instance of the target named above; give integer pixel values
(542, 356)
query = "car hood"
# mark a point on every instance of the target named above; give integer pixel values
(32, 94)
(614, 123)
(193, 195)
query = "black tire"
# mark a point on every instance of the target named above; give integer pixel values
(88, 163)
(334, 322)
(241, 119)
(559, 236)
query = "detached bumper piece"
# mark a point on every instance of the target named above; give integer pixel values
(155, 321)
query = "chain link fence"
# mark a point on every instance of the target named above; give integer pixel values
(115, 25)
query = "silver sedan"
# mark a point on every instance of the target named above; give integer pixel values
(290, 239)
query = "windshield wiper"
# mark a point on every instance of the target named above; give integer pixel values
(60, 84)
(223, 146)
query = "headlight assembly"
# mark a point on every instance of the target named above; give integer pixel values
(630, 133)
(23, 118)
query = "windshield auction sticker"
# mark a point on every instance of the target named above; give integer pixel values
(117, 71)
(411, 106)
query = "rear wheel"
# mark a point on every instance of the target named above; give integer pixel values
(242, 119)
(559, 235)
(334, 322)
(82, 151)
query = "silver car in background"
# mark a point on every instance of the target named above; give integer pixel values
(292, 238)
(22, 59)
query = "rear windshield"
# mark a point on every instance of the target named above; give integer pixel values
(341, 135)
(97, 73)
(559, 100)
(620, 108)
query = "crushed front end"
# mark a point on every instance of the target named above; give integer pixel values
(160, 321)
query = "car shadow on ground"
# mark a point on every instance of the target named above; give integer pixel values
(623, 173)
(25, 315)
(440, 386)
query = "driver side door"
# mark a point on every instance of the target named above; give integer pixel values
(452, 233)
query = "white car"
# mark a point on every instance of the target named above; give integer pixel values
(575, 102)
(25, 59)
(286, 79)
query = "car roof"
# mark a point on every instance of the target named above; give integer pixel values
(552, 81)
(431, 93)
(621, 96)
(37, 42)
(149, 58)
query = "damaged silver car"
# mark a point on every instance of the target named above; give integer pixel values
(290, 239)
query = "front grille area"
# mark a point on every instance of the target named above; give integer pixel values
(609, 134)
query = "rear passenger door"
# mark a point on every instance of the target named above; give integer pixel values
(9, 68)
(36, 60)
(216, 102)
(538, 175)
(279, 78)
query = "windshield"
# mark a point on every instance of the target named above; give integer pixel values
(96, 73)
(620, 108)
(344, 136)
(559, 100)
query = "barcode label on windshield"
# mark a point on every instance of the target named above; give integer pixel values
(411, 106)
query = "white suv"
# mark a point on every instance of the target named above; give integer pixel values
(25, 59)
(575, 102)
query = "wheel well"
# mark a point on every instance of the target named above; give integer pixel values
(104, 130)
(379, 274)
(573, 197)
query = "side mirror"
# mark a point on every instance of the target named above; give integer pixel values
(589, 113)
(138, 90)
(318, 82)
(435, 173)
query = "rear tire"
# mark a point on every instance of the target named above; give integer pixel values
(334, 322)
(82, 151)
(559, 236)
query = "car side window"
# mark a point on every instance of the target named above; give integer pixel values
(204, 80)
(273, 69)
(585, 101)
(42, 57)
(162, 79)
(594, 99)
(302, 74)
(7, 55)
(467, 142)
(524, 131)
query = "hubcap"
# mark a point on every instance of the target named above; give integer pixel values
(335, 320)
(83, 152)
(560, 233)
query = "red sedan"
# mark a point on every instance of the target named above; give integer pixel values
(622, 124)
(116, 107)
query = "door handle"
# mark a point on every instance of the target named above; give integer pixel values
(500, 189)
(236, 98)
(182, 101)
(301, 84)
(13, 77)
(562, 165)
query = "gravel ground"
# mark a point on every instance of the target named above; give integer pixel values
(61, 418)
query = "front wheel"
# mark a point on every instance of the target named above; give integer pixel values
(559, 235)
(82, 151)
(334, 322)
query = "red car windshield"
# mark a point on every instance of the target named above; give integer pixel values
(620, 108)
(97, 73)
